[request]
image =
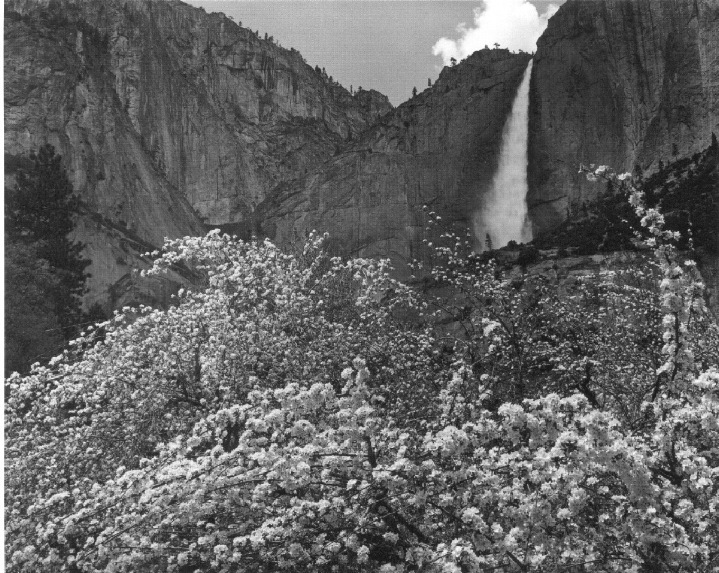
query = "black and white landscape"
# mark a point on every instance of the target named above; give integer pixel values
(258, 320)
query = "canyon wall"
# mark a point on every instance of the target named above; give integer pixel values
(169, 120)
(438, 149)
(621, 83)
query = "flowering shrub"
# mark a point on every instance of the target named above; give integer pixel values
(293, 415)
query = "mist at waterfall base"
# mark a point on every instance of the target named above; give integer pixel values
(502, 216)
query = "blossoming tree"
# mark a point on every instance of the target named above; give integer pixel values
(295, 415)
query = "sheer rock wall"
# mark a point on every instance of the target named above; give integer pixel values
(621, 83)
(172, 121)
(438, 149)
(169, 120)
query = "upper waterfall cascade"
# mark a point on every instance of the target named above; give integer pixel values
(502, 216)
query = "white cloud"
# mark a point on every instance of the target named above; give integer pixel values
(513, 24)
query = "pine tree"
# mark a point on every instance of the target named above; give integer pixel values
(414, 91)
(40, 212)
(32, 330)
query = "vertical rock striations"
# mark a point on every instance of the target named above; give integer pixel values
(623, 83)
(168, 118)
(59, 89)
(171, 120)
(438, 149)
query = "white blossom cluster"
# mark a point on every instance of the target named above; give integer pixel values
(305, 413)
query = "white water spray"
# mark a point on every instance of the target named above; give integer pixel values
(503, 214)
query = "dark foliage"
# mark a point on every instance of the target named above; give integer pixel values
(528, 254)
(605, 225)
(39, 215)
(32, 331)
(686, 191)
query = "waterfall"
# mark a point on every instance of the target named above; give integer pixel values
(503, 214)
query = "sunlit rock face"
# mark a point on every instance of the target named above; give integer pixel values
(622, 83)
(59, 89)
(169, 120)
(172, 121)
(438, 149)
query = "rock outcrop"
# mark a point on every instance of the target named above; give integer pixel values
(172, 120)
(622, 83)
(169, 119)
(438, 149)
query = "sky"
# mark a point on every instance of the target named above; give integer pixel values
(390, 45)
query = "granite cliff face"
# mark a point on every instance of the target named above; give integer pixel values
(438, 149)
(172, 121)
(58, 89)
(622, 83)
(169, 119)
